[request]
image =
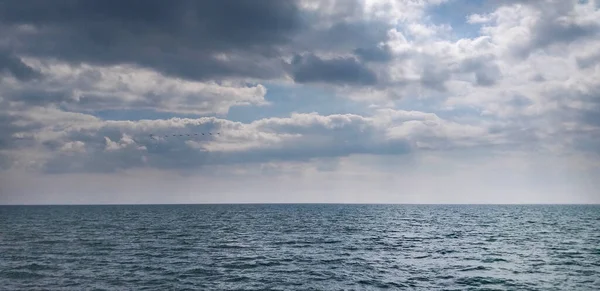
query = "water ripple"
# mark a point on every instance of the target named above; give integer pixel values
(300, 247)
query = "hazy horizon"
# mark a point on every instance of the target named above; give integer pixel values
(315, 203)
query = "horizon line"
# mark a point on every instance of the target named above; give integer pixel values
(286, 203)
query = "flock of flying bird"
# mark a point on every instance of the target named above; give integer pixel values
(153, 136)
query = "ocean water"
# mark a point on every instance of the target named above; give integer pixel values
(300, 247)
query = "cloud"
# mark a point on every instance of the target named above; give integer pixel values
(533, 66)
(14, 66)
(83, 143)
(212, 39)
(524, 27)
(588, 61)
(374, 54)
(92, 88)
(333, 42)
(562, 22)
(311, 68)
(190, 39)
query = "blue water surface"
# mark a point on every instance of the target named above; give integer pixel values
(300, 247)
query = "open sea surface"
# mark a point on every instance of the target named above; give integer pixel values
(300, 247)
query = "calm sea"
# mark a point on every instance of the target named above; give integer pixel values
(300, 247)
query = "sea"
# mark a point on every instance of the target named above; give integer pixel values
(300, 247)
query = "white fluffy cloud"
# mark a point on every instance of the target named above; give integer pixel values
(532, 66)
(70, 139)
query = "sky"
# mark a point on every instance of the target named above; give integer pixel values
(374, 101)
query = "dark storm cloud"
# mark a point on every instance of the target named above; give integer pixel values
(175, 37)
(341, 70)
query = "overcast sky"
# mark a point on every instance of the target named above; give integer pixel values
(375, 101)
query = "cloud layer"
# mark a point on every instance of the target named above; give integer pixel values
(496, 78)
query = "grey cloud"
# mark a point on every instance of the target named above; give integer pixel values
(342, 70)
(13, 65)
(538, 78)
(550, 29)
(5, 162)
(520, 101)
(591, 114)
(435, 77)
(592, 117)
(374, 54)
(176, 37)
(576, 120)
(81, 146)
(88, 89)
(589, 97)
(588, 61)
(320, 137)
(77, 142)
(318, 140)
(343, 36)
(485, 79)
(192, 24)
(200, 40)
(436, 70)
(7, 129)
(36, 96)
(586, 135)
(485, 69)
(10, 125)
(301, 137)
(336, 10)
(554, 26)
